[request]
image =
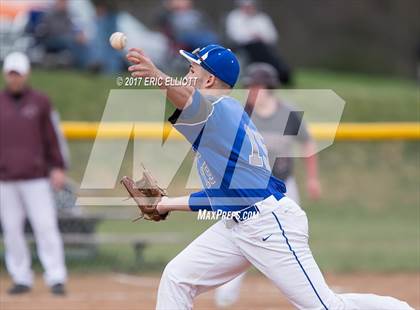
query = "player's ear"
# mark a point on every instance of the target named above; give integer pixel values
(211, 81)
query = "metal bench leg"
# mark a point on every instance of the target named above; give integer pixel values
(138, 252)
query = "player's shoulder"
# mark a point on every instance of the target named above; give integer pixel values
(287, 106)
(223, 107)
(224, 102)
(214, 99)
(229, 108)
(217, 103)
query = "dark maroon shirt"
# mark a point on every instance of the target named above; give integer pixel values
(29, 137)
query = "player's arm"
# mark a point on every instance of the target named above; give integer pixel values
(311, 163)
(309, 150)
(169, 204)
(194, 202)
(179, 96)
(54, 146)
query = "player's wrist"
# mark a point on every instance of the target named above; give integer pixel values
(163, 206)
(160, 76)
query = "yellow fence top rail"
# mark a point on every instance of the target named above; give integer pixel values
(320, 131)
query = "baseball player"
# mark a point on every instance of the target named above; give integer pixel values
(32, 163)
(270, 114)
(233, 166)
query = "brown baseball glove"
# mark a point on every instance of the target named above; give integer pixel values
(147, 194)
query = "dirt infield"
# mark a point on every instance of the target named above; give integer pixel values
(126, 292)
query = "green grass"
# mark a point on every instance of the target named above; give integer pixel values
(368, 217)
(361, 239)
(366, 220)
(82, 96)
(343, 238)
(368, 98)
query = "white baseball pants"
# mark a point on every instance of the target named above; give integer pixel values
(31, 198)
(222, 253)
(228, 293)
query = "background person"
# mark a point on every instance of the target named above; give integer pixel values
(102, 57)
(254, 33)
(269, 115)
(31, 164)
(185, 26)
(58, 34)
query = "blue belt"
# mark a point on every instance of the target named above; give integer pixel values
(246, 214)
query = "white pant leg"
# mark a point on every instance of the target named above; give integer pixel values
(228, 293)
(292, 189)
(12, 216)
(373, 302)
(209, 261)
(286, 259)
(42, 214)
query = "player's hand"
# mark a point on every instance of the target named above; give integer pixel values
(314, 188)
(57, 178)
(142, 65)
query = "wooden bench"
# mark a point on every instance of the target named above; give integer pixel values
(80, 232)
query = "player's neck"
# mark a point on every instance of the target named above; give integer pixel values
(215, 92)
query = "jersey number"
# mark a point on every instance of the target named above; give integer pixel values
(256, 140)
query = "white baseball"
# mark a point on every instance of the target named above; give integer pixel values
(118, 40)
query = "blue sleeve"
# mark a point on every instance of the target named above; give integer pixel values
(199, 201)
(191, 120)
(188, 114)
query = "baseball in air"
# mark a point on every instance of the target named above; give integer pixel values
(118, 40)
